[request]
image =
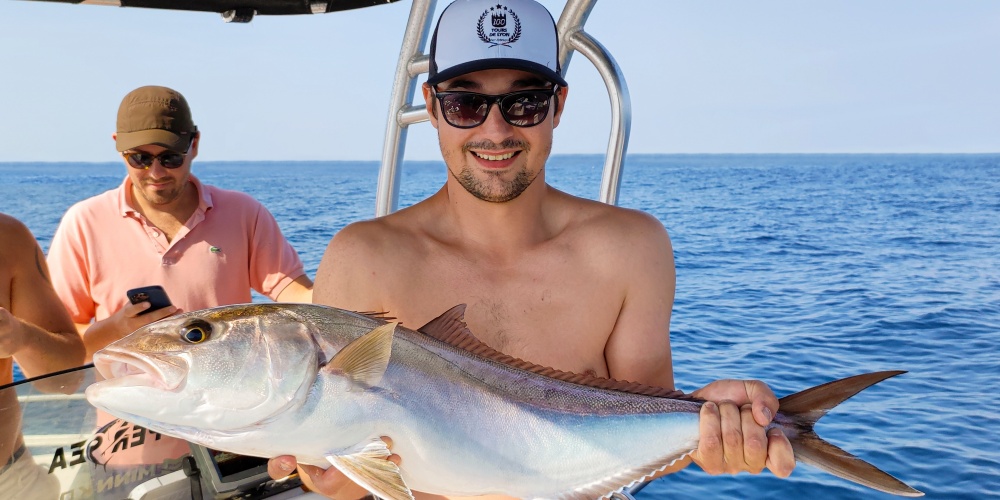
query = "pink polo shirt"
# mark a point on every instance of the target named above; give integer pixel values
(231, 243)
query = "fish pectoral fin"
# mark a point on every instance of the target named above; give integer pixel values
(365, 359)
(370, 469)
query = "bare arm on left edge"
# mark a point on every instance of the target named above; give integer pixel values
(36, 329)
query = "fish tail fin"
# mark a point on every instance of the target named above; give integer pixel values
(805, 408)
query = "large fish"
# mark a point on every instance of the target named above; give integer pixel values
(324, 384)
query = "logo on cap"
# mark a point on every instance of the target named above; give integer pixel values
(499, 34)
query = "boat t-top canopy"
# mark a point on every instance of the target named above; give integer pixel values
(240, 11)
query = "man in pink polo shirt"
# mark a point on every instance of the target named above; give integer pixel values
(204, 245)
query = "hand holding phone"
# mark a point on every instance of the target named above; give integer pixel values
(154, 294)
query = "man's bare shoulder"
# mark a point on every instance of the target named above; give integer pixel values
(374, 237)
(622, 245)
(381, 243)
(600, 223)
(11, 226)
(16, 238)
(367, 258)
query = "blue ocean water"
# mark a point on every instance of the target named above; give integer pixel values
(794, 269)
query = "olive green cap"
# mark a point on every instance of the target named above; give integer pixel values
(154, 115)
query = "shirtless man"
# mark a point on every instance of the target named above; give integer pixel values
(36, 331)
(550, 278)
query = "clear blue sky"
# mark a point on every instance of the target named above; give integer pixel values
(705, 77)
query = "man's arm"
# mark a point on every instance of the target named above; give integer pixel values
(343, 278)
(732, 437)
(299, 290)
(274, 260)
(340, 282)
(124, 321)
(37, 330)
(638, 349)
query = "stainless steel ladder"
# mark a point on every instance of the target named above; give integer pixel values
(414, 62)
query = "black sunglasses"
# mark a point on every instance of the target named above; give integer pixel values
(142, 160)
(524, 108)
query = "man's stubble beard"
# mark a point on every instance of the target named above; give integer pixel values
(167, 197)
(494, 189)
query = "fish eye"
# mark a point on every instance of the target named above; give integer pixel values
(196, 331)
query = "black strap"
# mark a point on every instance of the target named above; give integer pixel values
(193, 473)
(13, 458)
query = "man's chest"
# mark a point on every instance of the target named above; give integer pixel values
(549, 314)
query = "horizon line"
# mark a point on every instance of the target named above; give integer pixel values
(8, 162)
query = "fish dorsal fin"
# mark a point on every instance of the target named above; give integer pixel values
(365, 359)
(368, 467)
(450, 328)
(382, 316)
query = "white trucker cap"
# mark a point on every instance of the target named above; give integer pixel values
(473, 35)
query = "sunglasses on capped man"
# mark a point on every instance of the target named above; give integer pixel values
(168, 159)
(524, 108)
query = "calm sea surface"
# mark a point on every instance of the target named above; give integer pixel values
(794, 269)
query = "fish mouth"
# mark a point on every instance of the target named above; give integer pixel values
(127, 369)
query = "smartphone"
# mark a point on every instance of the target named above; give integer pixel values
(154, 294)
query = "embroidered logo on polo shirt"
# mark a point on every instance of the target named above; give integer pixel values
(214, 249)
